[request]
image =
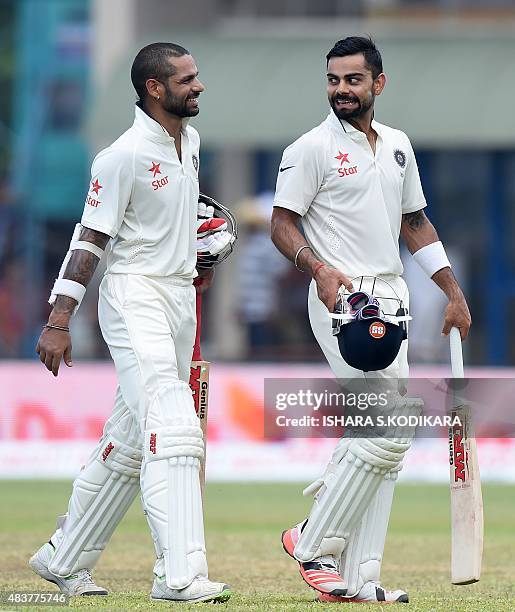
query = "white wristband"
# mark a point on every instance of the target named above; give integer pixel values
(432, 258)
(70, 288)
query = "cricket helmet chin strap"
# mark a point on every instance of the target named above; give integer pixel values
(369, 336)
(205, 259)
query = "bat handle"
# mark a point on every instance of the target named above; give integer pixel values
(197, 356)
(456, 353)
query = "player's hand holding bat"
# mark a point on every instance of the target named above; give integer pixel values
(457, 314)
(204, 279)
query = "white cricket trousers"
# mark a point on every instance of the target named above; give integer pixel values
(149, 327)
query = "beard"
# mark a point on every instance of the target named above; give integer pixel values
(361, 109)
(178, 107)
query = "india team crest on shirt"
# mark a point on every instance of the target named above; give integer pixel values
(400, 157)
(194, 159)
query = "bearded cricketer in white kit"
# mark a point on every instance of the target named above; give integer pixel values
(143, 201)
(353, 184)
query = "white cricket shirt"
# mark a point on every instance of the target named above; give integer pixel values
(351, 201)
(142, 196)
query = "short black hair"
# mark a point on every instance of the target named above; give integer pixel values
(151, 63)
(359, 44)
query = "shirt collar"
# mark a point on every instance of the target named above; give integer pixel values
(339, 125)
(151, 128)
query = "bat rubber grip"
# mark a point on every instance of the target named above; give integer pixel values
(456, 353)
(197, 356)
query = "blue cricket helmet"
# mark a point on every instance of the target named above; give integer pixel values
(368, 338)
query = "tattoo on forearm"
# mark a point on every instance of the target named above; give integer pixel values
(82, 264)
(415, 220)
(64, 305)
(94, 237)
(81, 267)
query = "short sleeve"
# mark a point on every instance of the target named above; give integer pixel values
(110, 189)
(412, 195)
(300, 176)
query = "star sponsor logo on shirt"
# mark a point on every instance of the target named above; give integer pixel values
(156, 169)
(343, 158)
(95, 188)
(160, 182)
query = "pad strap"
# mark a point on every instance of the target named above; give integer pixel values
(174, 441)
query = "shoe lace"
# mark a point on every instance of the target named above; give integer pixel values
(85, 576)
(329, 562)
(201, 578)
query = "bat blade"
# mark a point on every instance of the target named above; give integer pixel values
(465, 485)
(199, 385)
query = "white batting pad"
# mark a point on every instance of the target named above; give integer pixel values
(362, 557)
(317, 487)
(170, 484)
(102, 494)
(349, 489)
(351, 480)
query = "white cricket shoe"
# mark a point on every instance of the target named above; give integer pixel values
(201, 589)
(79, 583)
(370, 592)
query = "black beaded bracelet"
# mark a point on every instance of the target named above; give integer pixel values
(59, 327)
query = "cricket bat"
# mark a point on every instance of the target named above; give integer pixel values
(199, 384)
(465, 483)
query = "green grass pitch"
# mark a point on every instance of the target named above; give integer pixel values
(244, 523)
